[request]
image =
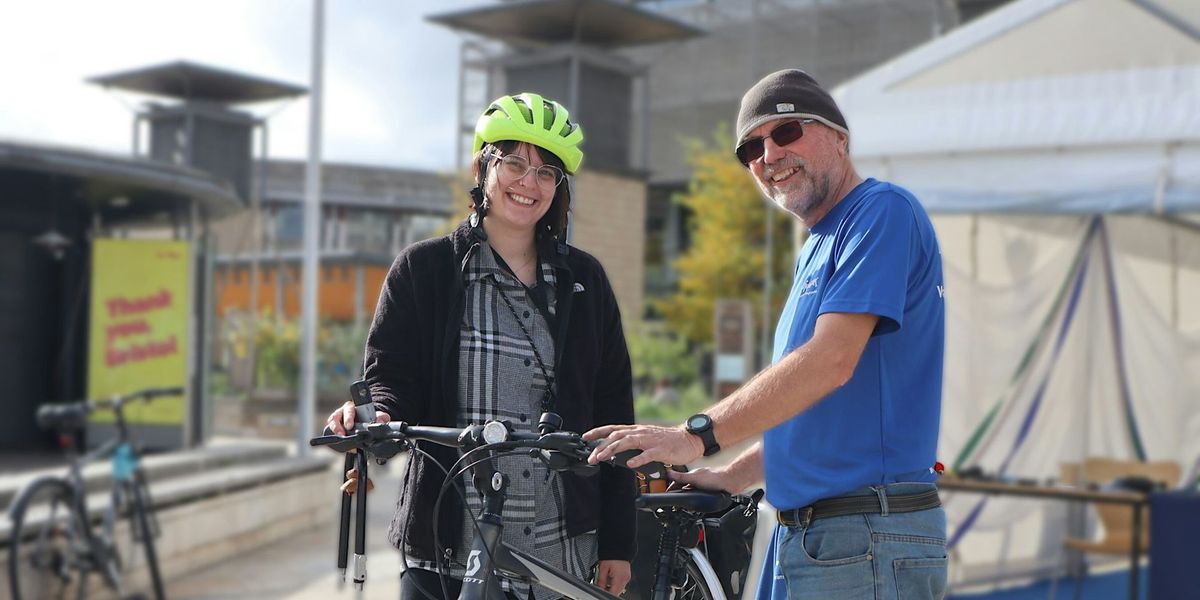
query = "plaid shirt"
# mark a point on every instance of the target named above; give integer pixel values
(500, 379)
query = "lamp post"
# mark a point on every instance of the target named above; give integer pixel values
(312, 234)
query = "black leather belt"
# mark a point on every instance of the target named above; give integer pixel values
(857, 505)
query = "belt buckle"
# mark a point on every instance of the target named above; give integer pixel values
(804, 516)
(799, 517)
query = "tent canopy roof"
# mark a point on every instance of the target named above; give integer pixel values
(1038, 100)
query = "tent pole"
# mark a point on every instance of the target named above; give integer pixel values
(974, 246)
(1173, 243)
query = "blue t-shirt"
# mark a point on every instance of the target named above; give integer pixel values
(876, 253)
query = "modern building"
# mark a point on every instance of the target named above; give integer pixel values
(646, 76)
(368, 215)
(53, 202)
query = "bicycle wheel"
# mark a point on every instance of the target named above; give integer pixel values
(694, 587)
(48, 553)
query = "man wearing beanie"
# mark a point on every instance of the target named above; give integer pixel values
(849, 409)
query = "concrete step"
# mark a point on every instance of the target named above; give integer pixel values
(158, 467)
(183, 488)
(233, 501)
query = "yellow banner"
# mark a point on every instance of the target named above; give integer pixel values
(139, 325)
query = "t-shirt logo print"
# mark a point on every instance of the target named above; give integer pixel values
(809, 287)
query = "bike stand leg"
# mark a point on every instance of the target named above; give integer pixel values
(344, 523)
(360, 525)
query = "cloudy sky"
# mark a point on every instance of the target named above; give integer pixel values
(391, 77)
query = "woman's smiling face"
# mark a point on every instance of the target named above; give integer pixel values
(516, 201)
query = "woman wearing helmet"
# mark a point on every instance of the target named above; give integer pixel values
(501, 319)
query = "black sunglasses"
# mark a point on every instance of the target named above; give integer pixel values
(790, 131)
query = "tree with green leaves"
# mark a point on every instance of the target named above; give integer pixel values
(728, 231)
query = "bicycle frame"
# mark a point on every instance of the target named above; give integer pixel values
(488, 553)
(128, 488)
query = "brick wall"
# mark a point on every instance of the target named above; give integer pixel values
(609, 220)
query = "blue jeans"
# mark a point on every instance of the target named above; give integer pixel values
(870, 557)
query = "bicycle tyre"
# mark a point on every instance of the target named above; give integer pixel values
(142, 518)
(44, 559)
(695, 587)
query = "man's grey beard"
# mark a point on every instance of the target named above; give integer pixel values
(818, 194)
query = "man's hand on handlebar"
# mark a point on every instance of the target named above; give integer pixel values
(341, 420)
(668, 445)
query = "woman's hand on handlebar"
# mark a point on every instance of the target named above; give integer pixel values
(341, 421)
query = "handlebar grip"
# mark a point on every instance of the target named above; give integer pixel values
(325, 440)
(157, 392)
(337, 443)
(652, 469)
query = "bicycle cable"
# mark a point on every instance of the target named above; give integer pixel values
(457, 472)
(443, 564)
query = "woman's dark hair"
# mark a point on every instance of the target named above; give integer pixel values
(554, 223)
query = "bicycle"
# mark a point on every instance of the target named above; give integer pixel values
(682, 571)
(54, 547)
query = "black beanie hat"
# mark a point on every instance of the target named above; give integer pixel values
(787, 94)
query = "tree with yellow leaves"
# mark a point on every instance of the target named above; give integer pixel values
(728, 233)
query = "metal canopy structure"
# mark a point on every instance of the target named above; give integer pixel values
(599, 23)
(118, 188)
(195, 82)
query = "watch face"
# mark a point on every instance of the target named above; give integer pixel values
(697, 421)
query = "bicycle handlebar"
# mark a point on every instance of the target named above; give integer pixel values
(73, 415)
(559, 450)
(146, 395)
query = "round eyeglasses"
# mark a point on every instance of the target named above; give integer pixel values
(515, 166)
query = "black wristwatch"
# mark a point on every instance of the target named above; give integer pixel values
(701, 425)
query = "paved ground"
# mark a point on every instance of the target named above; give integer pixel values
(303, 566)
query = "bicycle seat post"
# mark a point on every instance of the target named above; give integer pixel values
(668, 545)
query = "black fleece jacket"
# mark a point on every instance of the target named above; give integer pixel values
(411, 365)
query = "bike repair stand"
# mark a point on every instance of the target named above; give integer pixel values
(358, 460)
(364, 412)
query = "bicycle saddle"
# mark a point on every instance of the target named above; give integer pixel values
(64, 417)
(699, 501)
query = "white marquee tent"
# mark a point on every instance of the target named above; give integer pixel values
(1057, 145)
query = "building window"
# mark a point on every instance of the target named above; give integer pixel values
(423, 227)
(289, 228)
(366, 231)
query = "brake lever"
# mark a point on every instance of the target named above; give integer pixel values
(337, 443)
(566, 451)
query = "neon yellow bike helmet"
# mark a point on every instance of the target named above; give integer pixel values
(531, 118)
